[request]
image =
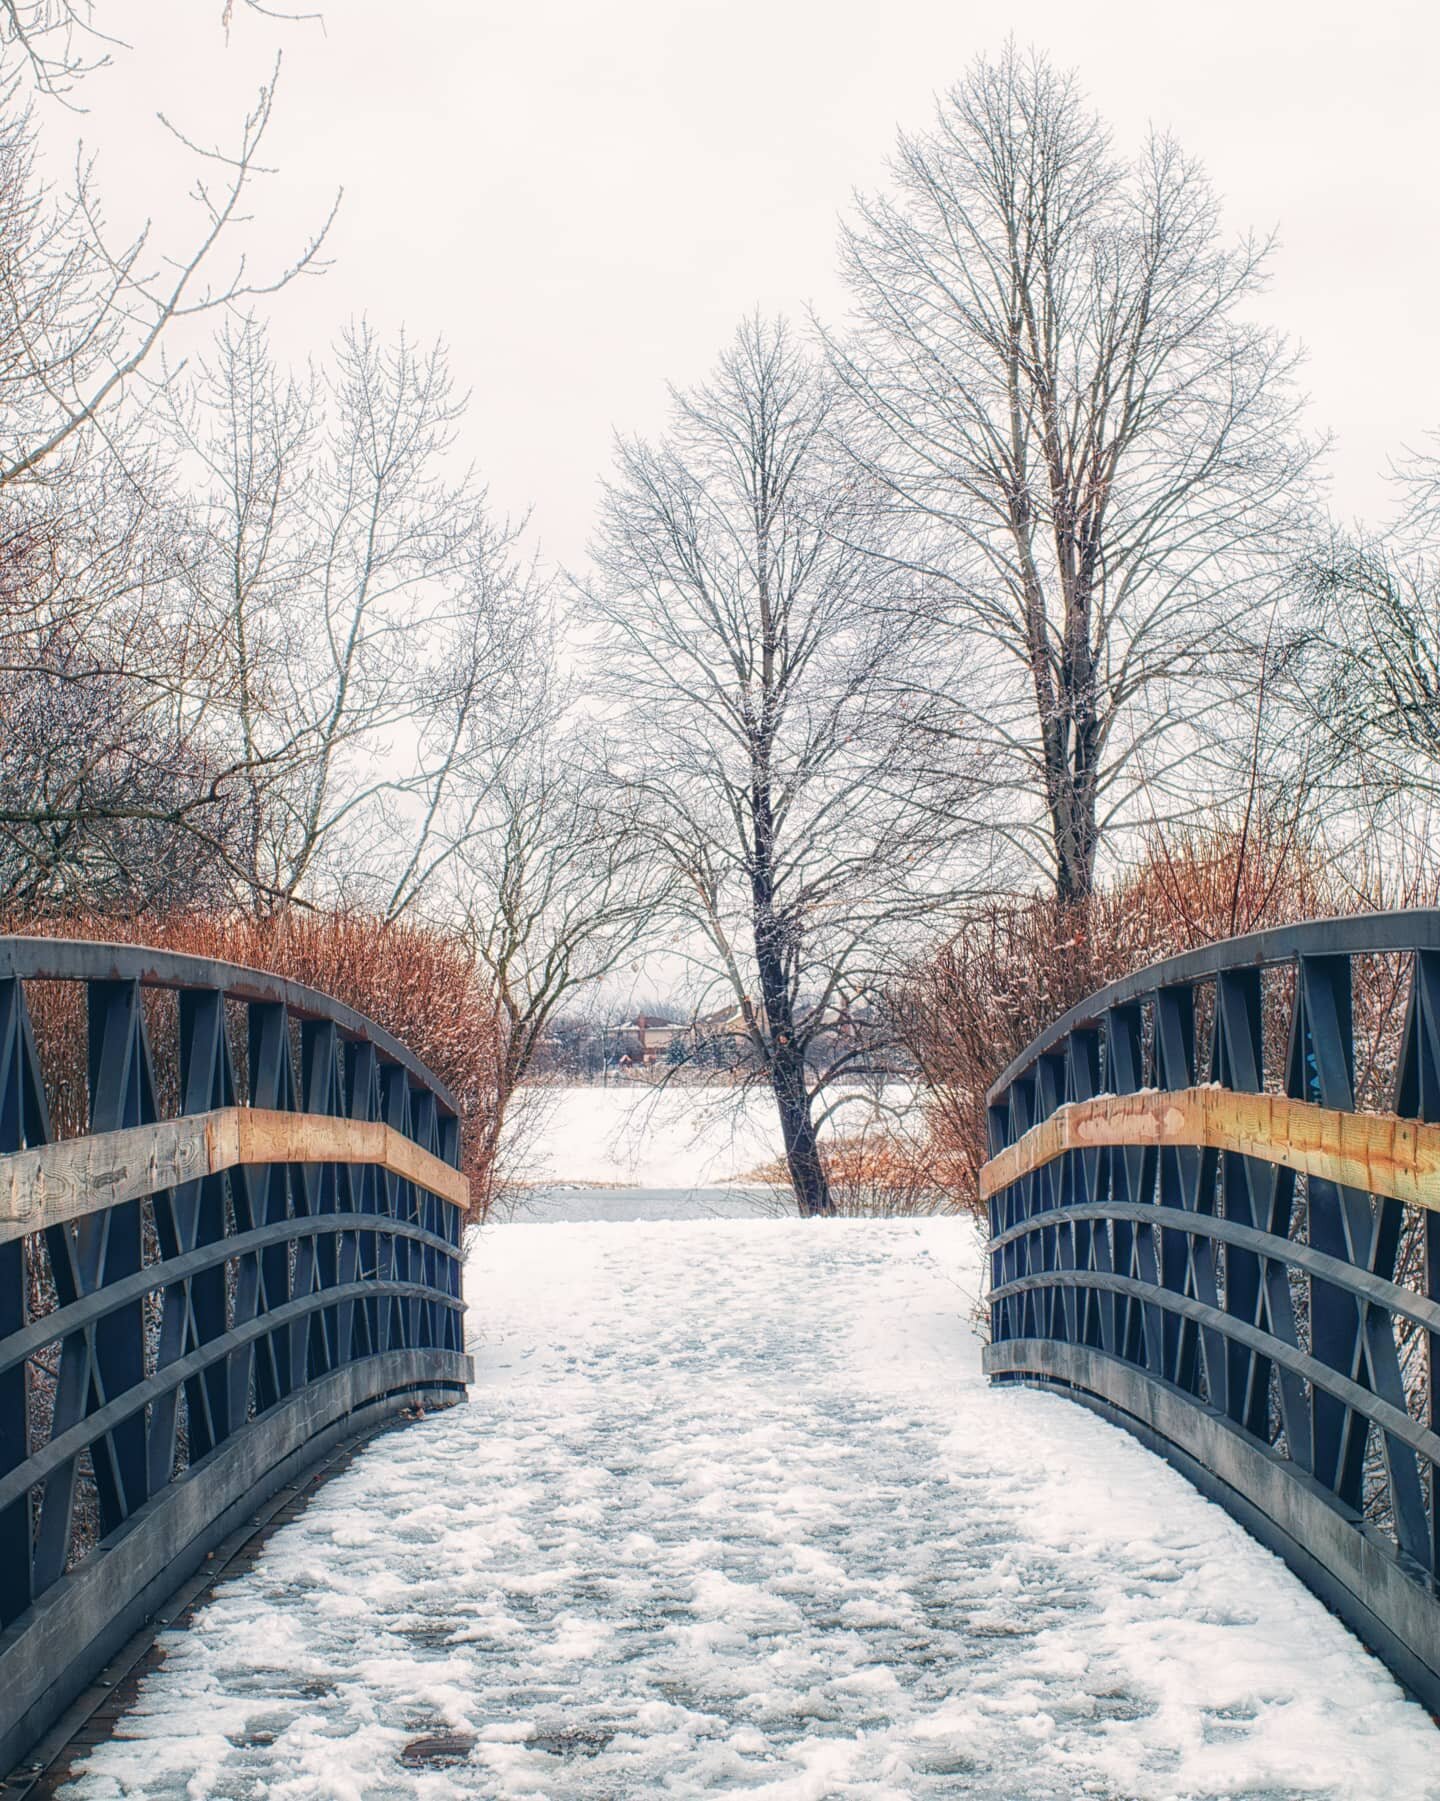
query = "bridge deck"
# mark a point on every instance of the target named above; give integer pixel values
(733, 1509)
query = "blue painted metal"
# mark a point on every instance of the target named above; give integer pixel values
(1274, 1336)
(167, 1363)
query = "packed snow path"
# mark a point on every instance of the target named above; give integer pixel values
(733, 1510)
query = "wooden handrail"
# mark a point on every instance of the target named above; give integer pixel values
(58, 1182)
(1379, 1153)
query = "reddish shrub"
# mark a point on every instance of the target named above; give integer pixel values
(420, 984)
(1013, 968)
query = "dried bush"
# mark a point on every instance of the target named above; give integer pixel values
(880, 1172)
(419, 983)
(1014, 968)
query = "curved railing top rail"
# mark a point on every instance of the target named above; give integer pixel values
(88, 960)
(1354, 934)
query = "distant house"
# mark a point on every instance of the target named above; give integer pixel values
(646, 1038)
(725, 1022)
(715, 1041)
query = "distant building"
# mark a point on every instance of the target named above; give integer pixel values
(646, 1038)
(726, 1022)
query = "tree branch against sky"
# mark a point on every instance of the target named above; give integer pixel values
(55, 44)
(376, 633)
(83, 318)
(762, 729)
(1090, 455)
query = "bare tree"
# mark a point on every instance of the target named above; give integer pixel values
(107, 793)
(374, 629)
(97, 785)
(111, 786)
(1364, 669)
(558, 888)
(1091, 454)
(760, 726)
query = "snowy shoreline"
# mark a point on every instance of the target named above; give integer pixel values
(641, 1137)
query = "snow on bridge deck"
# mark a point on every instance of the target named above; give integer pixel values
(733, 1510)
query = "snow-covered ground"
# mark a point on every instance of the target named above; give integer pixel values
(732, 1510)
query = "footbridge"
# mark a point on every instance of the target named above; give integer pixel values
(230, 1221)
(737, 1503)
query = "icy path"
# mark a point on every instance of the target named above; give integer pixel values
(732, 1510)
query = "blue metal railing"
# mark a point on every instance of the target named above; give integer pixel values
(173, 1351)
(1271, 1331)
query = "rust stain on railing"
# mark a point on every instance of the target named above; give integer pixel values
(57, 1182)
(1376, 1152)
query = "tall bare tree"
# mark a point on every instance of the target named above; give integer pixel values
(375, 631)
(761, 727)
(1090, 452)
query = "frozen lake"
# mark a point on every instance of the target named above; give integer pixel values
(636, 1137)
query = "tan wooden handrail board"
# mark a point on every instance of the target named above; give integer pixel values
(267, 1137)
(1377, 1152)
(57, 1182)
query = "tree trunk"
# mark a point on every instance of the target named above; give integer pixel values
(797, 1129)
(1076, 836)
(785, 1059)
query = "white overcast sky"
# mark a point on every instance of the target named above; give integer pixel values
(583, 198)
